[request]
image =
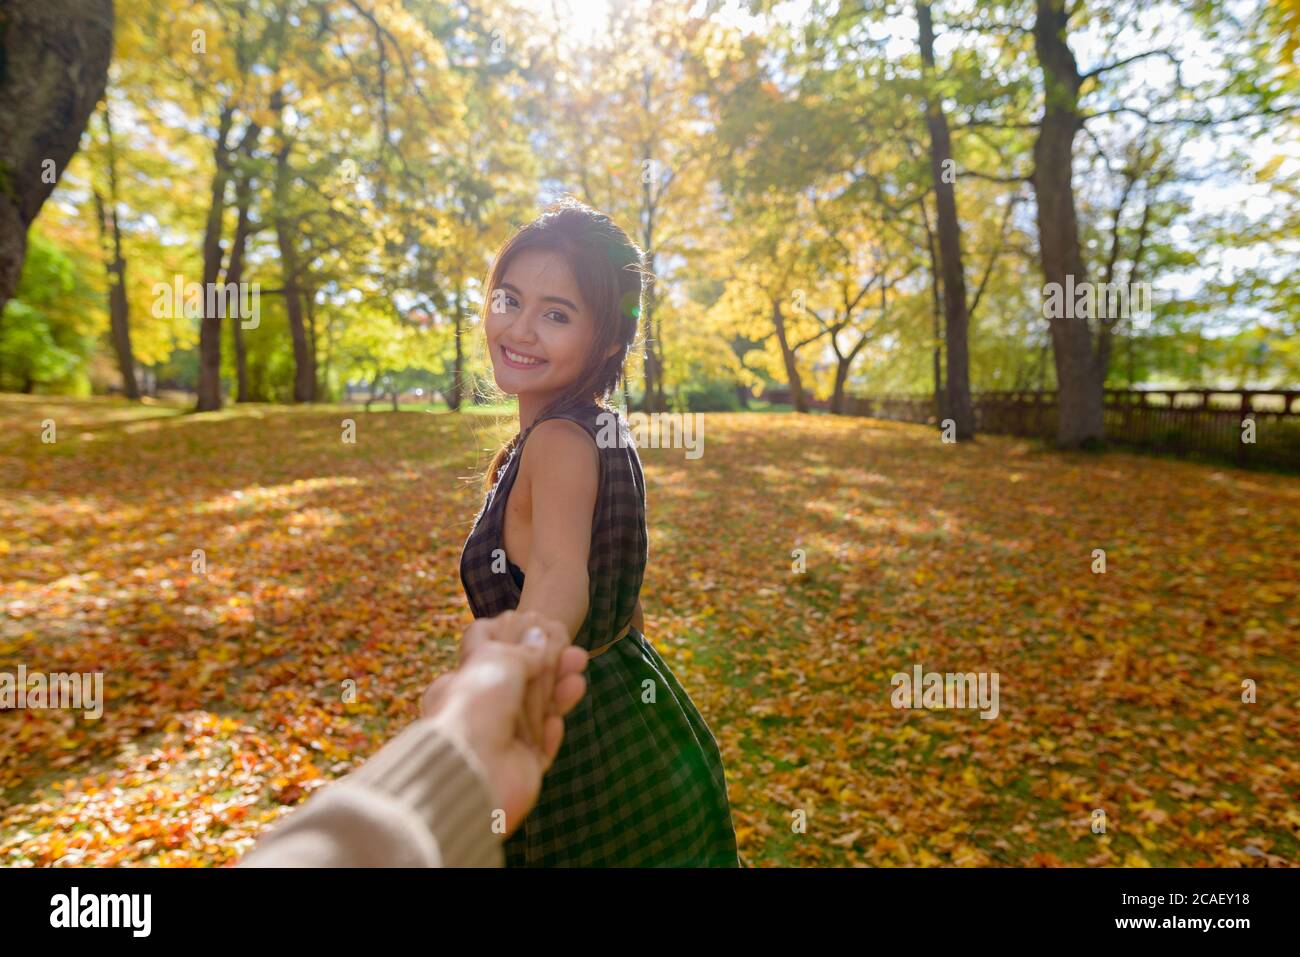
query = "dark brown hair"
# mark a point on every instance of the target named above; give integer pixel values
(611, 275)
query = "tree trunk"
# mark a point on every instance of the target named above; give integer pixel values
(936, 314)
(1079, 388)
(797, 396)
(234, 272)
(309, 302)
(119, 320)
(841, 377)
(374, 391)
(119, 317)
(653, 400)
(209, 399)
(956, 317)
(453, 400)
(304, 377)
(241, 362)
(110, 237)
(327, 364)
(647, 400)
(54, 57)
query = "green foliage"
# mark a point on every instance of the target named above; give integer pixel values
(45, 336)
(709, 396)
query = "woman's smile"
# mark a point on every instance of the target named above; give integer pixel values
(520, 360)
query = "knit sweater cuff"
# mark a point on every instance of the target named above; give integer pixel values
(440, 779)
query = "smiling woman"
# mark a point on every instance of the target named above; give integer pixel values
(638, 780)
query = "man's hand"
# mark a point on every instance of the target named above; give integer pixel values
(485, 703)
(510, 627)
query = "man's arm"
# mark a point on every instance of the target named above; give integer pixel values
(447, 789)
(421, 801)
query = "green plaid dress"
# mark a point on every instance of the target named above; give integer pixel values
(638, 780)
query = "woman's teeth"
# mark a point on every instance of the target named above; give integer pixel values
(522, 360)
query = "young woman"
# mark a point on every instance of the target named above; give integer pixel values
(638, 780)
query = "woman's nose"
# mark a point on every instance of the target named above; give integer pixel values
(526, 327)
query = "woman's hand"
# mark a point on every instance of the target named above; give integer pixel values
(510, 627)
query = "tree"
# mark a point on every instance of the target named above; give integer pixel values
(110, 233)
(54, 57)
(1078, 370)
(942, 172)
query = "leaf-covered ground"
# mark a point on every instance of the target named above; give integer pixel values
(325, 561)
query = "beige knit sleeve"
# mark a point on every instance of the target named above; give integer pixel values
(420, 801)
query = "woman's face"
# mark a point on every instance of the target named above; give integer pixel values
(539, 330)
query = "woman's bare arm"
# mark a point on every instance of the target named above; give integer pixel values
(563, 467)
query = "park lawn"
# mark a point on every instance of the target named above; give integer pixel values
(331, 565)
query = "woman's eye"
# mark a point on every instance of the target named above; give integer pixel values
(558, 316)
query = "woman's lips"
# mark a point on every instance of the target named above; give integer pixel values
(517, 363)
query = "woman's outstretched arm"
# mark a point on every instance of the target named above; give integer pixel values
(563, 469)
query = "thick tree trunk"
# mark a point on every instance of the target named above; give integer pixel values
(54, 57)
(958, 405)
(1079, 387)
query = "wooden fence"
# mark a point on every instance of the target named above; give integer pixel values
(1207, 422)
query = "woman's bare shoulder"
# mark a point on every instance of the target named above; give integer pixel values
(560, 446)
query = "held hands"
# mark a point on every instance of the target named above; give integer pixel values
(517, 679)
